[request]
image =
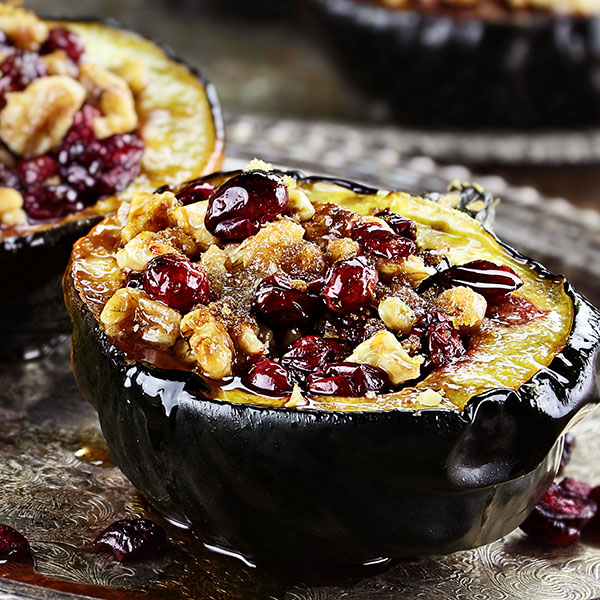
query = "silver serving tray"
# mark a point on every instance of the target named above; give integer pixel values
(61, 502)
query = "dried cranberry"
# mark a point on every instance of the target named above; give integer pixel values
(80, 136)
(350, 285)
(119, 158)
(96, 167)
(310, 352)
(513, 310)
(574, 486)
(381, 242)
(133, 539)
(43, 202)
(559, 517)
(37, 170)
(176, 281)
(68, 41)
(195, 192)
(440, 342)
(592, 529)
(13, 545)
(18, 70)
(268, 377)
(238, 208)
(402, 226)
(488, 279)
(347, 379)
(277, 302)
(568, 446)
(9, 177)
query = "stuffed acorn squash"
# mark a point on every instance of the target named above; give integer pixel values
(307, 370)
(472, 63)
(89, 114)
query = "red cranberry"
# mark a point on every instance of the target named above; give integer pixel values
(176, 281)
(350, 285)
(513, 310)
(402, 226)
(277, 302)
(439, 340)
(37, 170)
(133, 539)
(63, 39)
(568, 446)
(268, 377)
(559, 517)
(18, 70)
(592, 529)
(238, 208)
(80, 136)
(347, 379)
(574, 486)
(488, 279)
(13, 545)
(310, 352)
(43, 202)
(381, 242)
(195, 192)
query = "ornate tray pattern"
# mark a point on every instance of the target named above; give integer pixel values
(49, 441)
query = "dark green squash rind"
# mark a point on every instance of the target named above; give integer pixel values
(32, 265)
(436, 70)
(309, 486)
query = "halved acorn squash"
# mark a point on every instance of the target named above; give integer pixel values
(452, 64)
(338, 479)
(180, 124)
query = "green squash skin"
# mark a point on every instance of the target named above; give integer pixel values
(278, 485)
(435, 70)
(32, 265)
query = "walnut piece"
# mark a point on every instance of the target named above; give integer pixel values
(210, 343)
(299, 207)
(268, 245)
(36, 120)
(149, 212)
(58, 63)
(191, 219)
(145, 246)
(135, 72)
(412, 269)
(463, 306)
(22, 26)
(111, 94)
(11, 207)
(342, 248)
(397, 315)
(383, 350)
(131, 311)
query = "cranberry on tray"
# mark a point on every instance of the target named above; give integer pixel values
(133, 539)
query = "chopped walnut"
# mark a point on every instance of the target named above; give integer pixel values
(113, 97)
(22, 26)
(412, 269)
(429, 398)
(58, 63)
(149, 212)
(268, 245)
(36, 120)
(296, 399)
(299, 206)
(463, 306)
(256, 164)
(397, 315)
(130, 311)
(342, 248)
(145, 246)
(11, 207)
(136, 73)
(383, 350)
(191, 219)
(210, 343)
